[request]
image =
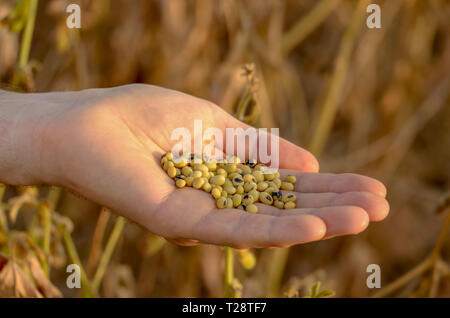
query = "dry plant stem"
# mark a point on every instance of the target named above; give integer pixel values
(97, 239)
(229, 272)
(44, 210)
(243, 103)
(74, 257)
(53, 196)
(431, 261)
(109, 249)
(307, 25)
(331, 102)
(3, 219)
(276, 271)
(27, 35)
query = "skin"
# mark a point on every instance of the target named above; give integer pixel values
(105, 144)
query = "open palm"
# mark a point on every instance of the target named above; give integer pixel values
(107, 144)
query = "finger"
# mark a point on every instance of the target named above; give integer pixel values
(338, 183)
(376, 207)
(239, 229)
(290, 156)
(339, 220)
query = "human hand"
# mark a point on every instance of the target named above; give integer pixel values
(105, 144)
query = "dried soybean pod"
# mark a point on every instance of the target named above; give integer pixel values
(221, 202)
(198, 183)
(290, 179)
(279, 204)
(216, 193)
(189, 181)
(287, 186)
(218, 180)
(289, 205)
(172, 172)
(266, 198)
(251, 208)
(237, 199)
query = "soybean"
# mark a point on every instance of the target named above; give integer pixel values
(180, 183)
(266, 198)
(289, 205)
(198, 183)
(291, 179)
(287, 186)
(251, 208)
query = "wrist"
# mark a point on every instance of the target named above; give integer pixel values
(22, 120)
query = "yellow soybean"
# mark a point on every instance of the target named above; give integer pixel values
(207, 187)
(198, 183)
(172, 172)
(237, 199)
(258, 176)
(239, 189)
(218, 180)
(180, 183)
(189, 181)
(251, 208)
(262, 186)
(289, 197)
(187, 171)
(229, 203)
(265, 198)
(290, 179)
(216, 193)
(221, 202)
(279, 204)
(287, 186)
(289, 205)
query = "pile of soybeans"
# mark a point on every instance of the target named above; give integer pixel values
(231, 183)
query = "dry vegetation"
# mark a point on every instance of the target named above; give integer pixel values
(374, 102)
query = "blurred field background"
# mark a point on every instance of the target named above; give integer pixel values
(371, 101)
